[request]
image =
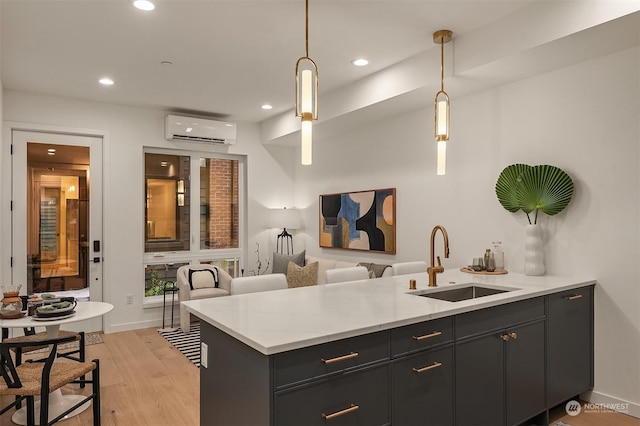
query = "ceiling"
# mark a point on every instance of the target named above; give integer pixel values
(230, 57)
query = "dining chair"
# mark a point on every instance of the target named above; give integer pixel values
(32, 378)
(31, 336)
(403, 268)
(339, 275)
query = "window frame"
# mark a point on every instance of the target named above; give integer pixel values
(196, 255)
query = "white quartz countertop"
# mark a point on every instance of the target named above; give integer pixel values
(282, 320)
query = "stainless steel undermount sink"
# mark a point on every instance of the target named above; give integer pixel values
(458, 294)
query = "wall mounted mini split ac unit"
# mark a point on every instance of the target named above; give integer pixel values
(199, 130)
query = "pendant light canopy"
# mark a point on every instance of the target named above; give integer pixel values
(306, 94)
(441, 105)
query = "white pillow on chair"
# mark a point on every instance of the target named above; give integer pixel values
(203, 278)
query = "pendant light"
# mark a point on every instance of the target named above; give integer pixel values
(306, 94)
(441, 106)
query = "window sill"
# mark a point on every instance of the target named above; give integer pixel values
(151, 302)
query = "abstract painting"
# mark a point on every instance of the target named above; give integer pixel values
(362, 220)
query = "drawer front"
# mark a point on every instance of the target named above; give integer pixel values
(358, 398)
(498, 317)
(300, 365)
(420, 336)
(422, 387)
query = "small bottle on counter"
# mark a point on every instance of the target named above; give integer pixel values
(498, 255)
(489, 261)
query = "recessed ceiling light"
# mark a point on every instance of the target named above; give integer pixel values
(164, 164)
(266, 106)
(51, 150)
(360, 62)
(106, 81)
(145, 5)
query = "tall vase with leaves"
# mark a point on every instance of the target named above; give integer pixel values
(534, 189)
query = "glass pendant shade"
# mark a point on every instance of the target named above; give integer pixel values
(306, 103)
(442, 116)
(306, 88)
(442, 158)
(307, 143)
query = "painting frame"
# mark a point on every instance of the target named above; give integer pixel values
(358, 220)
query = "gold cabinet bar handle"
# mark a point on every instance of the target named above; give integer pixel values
(341, 412)
(428, 367)
(574, 297)
(513, 335)
(505, 337)
(340, 358)
(427, 336)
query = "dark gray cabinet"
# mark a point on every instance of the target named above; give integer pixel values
(570, 344)
(501, 365)
(500, 374)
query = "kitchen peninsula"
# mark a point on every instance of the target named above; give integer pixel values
(370, 352)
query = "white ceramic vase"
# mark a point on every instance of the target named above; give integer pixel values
(534, 251)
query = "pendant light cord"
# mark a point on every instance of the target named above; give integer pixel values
(306, 29)
(441, 63)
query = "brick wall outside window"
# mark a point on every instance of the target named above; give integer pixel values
(223, 218)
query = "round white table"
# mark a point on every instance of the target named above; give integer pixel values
(58, 403)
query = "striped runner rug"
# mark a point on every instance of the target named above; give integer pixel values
(187, 344)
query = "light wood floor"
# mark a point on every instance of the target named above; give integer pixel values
(146, 381)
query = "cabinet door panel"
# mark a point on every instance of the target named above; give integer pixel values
(367, 389)
(525, 377)
(426, 397)
(480, 381)
(570, 344)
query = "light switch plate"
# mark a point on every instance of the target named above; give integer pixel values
(204, 354)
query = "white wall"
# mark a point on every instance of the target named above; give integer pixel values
(3, 254)
(128, 130)
(583, 119)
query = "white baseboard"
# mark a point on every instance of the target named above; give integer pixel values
(610, 403)
(137, 325)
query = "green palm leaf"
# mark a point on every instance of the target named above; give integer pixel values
(507, 187)
(542, 188)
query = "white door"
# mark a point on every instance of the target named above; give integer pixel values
(57, 215)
